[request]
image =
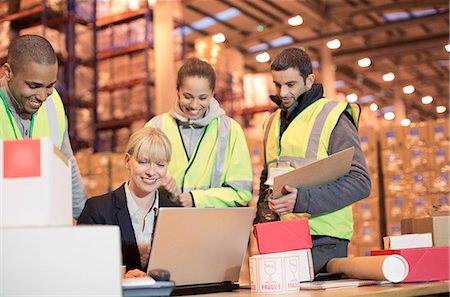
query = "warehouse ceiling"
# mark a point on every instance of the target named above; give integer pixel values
(405, 37)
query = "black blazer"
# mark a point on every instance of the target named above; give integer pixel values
(111, 209)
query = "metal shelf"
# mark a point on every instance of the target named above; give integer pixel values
(122, 51)
(125, 84)
(120, 18)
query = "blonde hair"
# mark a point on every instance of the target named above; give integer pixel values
(149, 143)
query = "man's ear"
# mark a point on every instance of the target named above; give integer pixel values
(7, 71)
(310, 81)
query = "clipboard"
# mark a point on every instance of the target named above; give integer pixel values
(315, 174)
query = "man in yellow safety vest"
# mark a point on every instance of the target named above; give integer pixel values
(309, 127)
(31, 107)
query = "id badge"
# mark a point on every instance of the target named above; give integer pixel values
(277, 169)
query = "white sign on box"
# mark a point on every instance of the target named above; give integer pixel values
(280, 272)
(35, 184)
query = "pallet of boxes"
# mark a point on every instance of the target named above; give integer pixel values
(284, 258)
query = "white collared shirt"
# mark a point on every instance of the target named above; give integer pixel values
(143, 220)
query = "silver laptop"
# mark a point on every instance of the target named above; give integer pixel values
(201, 245)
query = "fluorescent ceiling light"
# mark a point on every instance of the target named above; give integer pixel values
(388, 76)
(364, 62)
(334, 44)
(427, 99)
(295, 21)
(218, 38)
(263, 57)
(389, 116)
(409, 89)
(406, 122)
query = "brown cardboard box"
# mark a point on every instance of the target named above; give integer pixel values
(368, 141)
(392, 137)
(438, 224)
(96, 185)
(119, 174)
(99, 164)
(438, 131)
(393, 160)
(439, 157)
(416, 134)
(417, 158)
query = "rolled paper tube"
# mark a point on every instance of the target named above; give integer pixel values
(393, 268)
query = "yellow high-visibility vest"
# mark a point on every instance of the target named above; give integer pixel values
(305, 140)
(49, 121)
(219, 172)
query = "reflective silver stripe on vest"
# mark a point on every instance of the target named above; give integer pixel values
(203, 188)
(313, 142)
(266, 134)
(222, 141)
(241, 185)
(236, 185)
(157, 122)
(53, 122)
(314, 138)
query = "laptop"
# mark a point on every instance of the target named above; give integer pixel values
(202, 248)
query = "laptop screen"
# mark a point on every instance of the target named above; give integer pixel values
(201, 245)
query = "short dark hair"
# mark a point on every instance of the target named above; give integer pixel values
(30, 48)
(293, 58)
(196, 67)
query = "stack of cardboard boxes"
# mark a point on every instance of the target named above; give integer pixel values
(366, 213)
(284, 258)
(102, 172)
(415, 167)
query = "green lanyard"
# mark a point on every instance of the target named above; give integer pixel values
(11, 121)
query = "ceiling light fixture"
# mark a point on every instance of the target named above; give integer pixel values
(364, 62)
(334, 44)
(352, 97)
(260, 28)
(388, 76)
(406, 122)
(409, 89)
(447, 48)
(263, 57)
(427, 99)
(373, 107)
(389, 116)
(295, 21)
(218, 38)
(441, 109)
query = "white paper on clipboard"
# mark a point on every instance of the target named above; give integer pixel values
(317, 173)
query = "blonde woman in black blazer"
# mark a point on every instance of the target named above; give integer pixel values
(134, 205)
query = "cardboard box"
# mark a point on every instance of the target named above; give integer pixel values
(425, 264)
(408, 241)
(438, 225)
(416, 134)
(280, 272)
(35, 184)
(61, 261)
(283, 236)
(392, 137)
(438, 131)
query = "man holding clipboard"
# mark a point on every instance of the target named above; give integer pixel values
(306, 128)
